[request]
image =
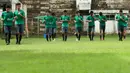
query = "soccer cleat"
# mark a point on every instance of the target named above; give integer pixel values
(7, 43)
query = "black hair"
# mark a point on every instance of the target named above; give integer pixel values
(65, 11)
(91, 12)
(18, 4)
(8, 6)
(53, 14)
(100, 13)
(121, 11)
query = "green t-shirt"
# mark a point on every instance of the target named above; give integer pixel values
(20, 19)
(92, 19)
(78, 20)
(119, 19)
(101, 20)
(7, 18)
(54, 22)
(48, 21)
(65, 19)
(126, 21)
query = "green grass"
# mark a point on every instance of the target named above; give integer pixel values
(35, 55)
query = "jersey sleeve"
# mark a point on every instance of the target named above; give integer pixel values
(14, 14)
(2, 16)
(117, 17)
(81, 18)
(61, 18)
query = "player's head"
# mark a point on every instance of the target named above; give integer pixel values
(18, 6)
(8, 7)
(91, 13)
(48, 12)
(53, 14)
(65, 12)
(100, 13)
(77, 13)
(121, 12)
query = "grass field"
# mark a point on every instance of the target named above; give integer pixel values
(35, 55)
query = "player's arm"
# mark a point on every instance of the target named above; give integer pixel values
(95, 18)
(105, 19)
(3, 17)
(75, 19)
(22, 14)
(88, 20)
(117, 18)
(15, 17)
(81, 19)
(11, 18)
(126, 19)
(61, 19)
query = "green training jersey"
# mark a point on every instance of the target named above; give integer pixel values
(126, 21)
(92, 23)
(120, 21)
(65, 20)
(102, 19)
(19, 20)
(54, 24)
(7, 18)
(48, 21)
(78, 20)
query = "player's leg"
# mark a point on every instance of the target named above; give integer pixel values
(122, 33)
(89, 32)
(119, 33)
(47, 34)
(79, 33)
(66, 33)
(125, 28)
(101, 33)
(6, 34)
(63, 33)
(17, 34)
(53, 33)
(21, 30)
(50, 34)
(104, 27)
(9, 35)
(92, 32)
(76, 33)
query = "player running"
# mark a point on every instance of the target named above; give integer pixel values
(125, 25)
(121, 20)
(54, 26)
(47, 20)
(19, 18)
(91, 25)
(102, 20)
(65, 24)
(7, 17)
(78, 19)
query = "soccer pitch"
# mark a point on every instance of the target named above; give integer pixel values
(35, 55)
